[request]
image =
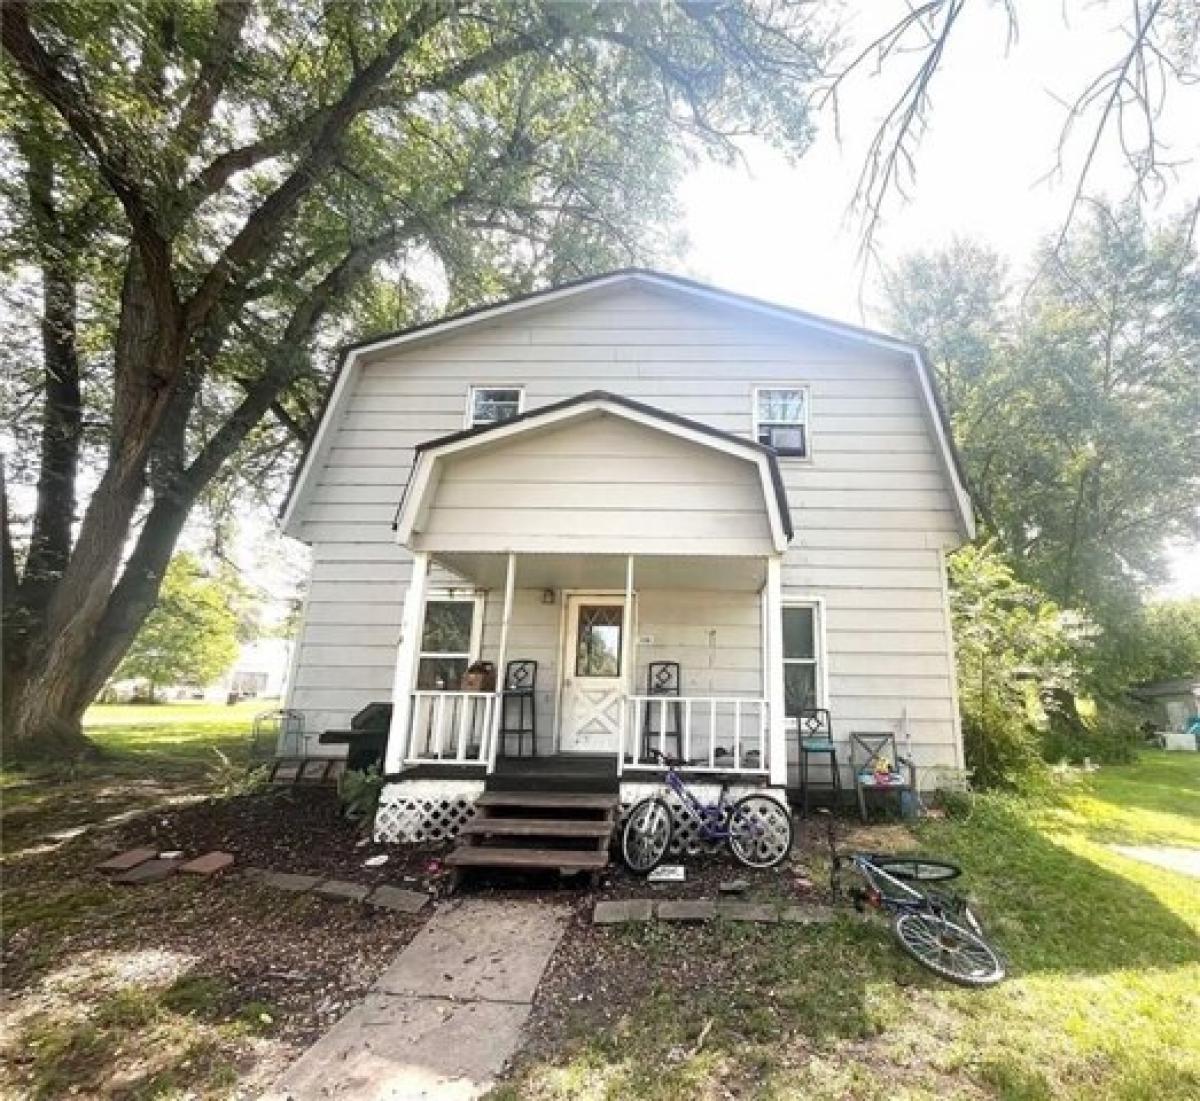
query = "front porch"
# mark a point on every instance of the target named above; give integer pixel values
(632, 562)
(662, 664)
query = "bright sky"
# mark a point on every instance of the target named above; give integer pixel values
(782, 232)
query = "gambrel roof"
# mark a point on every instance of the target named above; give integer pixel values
(354, 354)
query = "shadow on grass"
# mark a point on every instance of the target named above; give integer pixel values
(1053, 910)
(662, 1011)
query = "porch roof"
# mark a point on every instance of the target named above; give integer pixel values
(743, 472)
(606, 572)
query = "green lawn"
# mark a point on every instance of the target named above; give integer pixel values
(147, 754)
(1103, 999)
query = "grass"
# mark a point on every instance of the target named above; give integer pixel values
(147, 754)
(1103, 998)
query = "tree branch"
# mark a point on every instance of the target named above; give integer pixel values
(74, 105)
(244, 253)
(214, 70)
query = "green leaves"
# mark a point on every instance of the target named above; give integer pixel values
(191, 637)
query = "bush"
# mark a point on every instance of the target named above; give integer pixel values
(1110, 738)
(1002, 749)
(359, 792)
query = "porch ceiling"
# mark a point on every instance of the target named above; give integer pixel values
(607, 571)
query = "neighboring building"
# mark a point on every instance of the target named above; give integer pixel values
(628, 470)
(1173, 704)
(260, 672)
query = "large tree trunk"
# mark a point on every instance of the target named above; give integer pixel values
(54, 664)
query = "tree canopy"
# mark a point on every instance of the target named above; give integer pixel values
(201, 198)
(1076, 405)
(191, 636)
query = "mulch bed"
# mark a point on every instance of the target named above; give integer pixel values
(309, 958)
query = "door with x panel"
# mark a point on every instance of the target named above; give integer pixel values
(593, 687)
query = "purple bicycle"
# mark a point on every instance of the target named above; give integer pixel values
(757, 828)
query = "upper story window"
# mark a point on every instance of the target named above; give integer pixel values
(781, 419)
(493, 404)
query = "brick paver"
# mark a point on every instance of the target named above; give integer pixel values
(122, 862)
(208, 864)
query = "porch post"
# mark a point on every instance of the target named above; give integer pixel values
(406, 664)
(777, 733)
(510, 577)
(626, 661)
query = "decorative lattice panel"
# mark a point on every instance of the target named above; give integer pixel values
(419, 811)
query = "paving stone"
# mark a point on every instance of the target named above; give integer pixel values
(407, 1048)
(341, 890)
(807, 915)
(399, 899)
(687, 910)
(255, 873)
(122, 862)
(289, 881)
(208, 864)
(494, 951)
(734, 887)
(760, 912)
(622, 911)
(151, 871)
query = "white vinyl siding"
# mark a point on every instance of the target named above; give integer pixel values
(538, 492)
(872, 508)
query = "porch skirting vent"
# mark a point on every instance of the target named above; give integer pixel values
(425, 810)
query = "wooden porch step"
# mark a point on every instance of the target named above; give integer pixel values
(483, 825)
(565, 860)
(565, 800)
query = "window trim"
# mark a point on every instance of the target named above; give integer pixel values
(469, 415)
(820, 658)
(474, 643)
(795, 456)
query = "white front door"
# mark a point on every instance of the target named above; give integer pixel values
(593, 688)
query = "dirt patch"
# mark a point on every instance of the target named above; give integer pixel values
(204, 985)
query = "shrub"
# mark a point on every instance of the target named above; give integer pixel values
(1002, 749)
(359, 794)
(1110, 738)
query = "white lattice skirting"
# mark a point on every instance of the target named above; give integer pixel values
(435, 810)
(425, 810)
(684, 839)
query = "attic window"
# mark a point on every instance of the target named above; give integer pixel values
(493, 404)
(781, 419)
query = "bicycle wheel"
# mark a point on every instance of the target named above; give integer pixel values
(760, 831)
(948, 949)
(916, 868)
(646, 836)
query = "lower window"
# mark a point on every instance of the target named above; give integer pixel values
(447, 635)
(801, 658)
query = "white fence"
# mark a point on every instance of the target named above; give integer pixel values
(715, 733)
(450, 727)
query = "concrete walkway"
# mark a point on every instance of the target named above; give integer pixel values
(1186, 861)
(444, 1018)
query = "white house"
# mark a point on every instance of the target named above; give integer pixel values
(628, 470)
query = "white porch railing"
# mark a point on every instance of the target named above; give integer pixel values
(722, 733)
(450, 727)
